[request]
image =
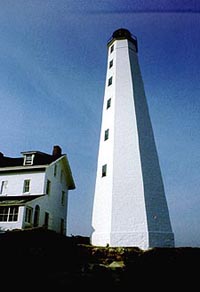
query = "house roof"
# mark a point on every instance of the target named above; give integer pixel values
(39, 159)
(69, 177)
(17, 200)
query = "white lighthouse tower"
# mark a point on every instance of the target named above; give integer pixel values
(130, 207)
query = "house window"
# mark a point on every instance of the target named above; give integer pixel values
(62, 225)
(106, 134)
(108, 103)
(109, 81)
(63, 198)
(13, 213)
(112, 48)
(110, 63)
(55, 170)
(48, 187)
(36, 216)
(4, 184)
(9, 213)
(61, 176)
(4, 211)
(46, 219)
(28, 215)
(28, 159)
(26, 187)
(104, 170)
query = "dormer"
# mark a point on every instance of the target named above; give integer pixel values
(28, 157)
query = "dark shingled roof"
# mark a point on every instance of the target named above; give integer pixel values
(39, 159)
(8, 161)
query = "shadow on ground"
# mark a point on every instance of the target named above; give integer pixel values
(44, 259)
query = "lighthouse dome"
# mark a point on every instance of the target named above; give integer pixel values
(121, 33)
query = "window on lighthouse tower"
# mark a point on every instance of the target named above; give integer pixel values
(110, 64)
(112, 48)
(108, 103)
(106, 134)
(109, 81)
(104, 170)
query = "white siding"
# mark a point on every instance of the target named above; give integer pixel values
(16, 182)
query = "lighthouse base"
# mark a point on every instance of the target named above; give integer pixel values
(143, 240)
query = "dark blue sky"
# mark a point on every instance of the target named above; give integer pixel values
(52, 71)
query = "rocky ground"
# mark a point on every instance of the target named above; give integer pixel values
(46, 260)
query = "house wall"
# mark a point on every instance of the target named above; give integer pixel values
(51, 203)
(58, 185)
(15, 183)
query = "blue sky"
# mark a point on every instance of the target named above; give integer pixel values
(52, 71)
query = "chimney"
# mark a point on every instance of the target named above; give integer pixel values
(57, 151)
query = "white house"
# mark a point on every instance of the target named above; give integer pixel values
(34, 190)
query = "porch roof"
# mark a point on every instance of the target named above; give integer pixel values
(17, 200)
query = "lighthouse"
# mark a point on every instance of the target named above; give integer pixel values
(130, 207)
